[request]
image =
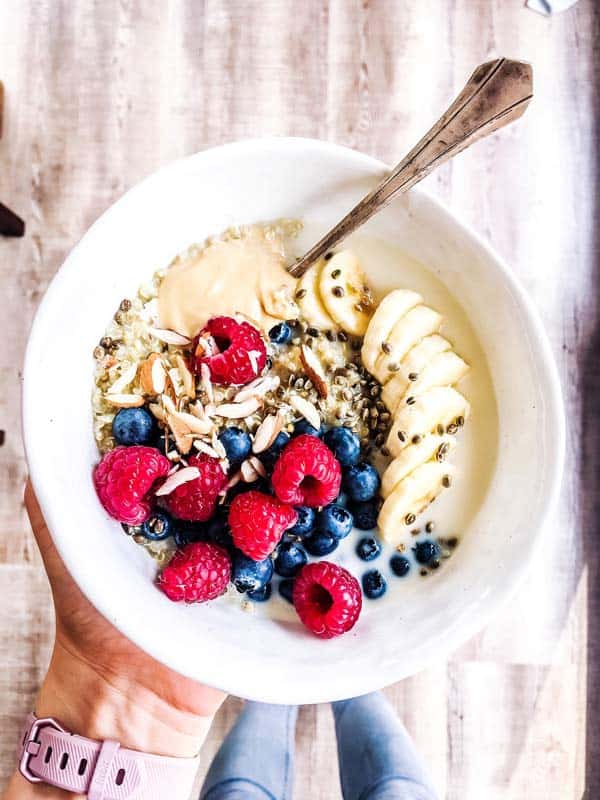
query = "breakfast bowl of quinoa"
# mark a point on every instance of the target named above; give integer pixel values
(331, 481)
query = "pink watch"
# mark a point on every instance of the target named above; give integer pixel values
(99, 770)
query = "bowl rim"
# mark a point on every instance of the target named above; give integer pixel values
(548, 373)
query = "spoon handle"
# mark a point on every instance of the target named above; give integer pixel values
(496, 94)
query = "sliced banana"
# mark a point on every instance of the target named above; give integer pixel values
(413, 363)
(421, 415)
(345, 293)
(417, 323)
(413, 456)
(392, 308)
(309, 300)
(410, 497)
(444, 369)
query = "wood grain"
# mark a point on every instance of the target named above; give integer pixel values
(97, 95)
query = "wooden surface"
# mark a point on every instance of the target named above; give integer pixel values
(99, 94)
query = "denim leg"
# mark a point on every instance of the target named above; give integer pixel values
(255, 762)
(377, 757)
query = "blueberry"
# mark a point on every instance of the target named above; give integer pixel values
(426, 551)
(281, 333)
(270, 456)
(305, 524)
(248, 575)
(374, 584)
(361, 482)
(133, 426)
(158, 526)
(303, 426)
(335, 521)
(237, 444)
(344, 444)
(365, 514)
(291, 557)
(260, 595)
(185, 532)
(400, 565)
(368, 548)
(217, 530)
(286, 589)
(321, 544)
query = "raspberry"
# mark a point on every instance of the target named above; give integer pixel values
(197, 573)
(124, 480)
(196, 500)
(257, 522)
(327, 598)
(307, 473)
(234, 351)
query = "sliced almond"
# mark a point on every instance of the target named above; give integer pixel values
(253, 356)
(238, 410)
(177, 479)
(258, 466)
(187, 379)
(218, 446)
(181, 432)
(259, 387)
(249, 472)
(158, 411)
(123, 381)
(125, 400)
(314, 370)
(197, 409)
(152, 375)
(267, 432)
(210, 410)
(194, 424)
(168, 403)
(176, 382)
(203, 447)
(206, 382)
(170, 337)
(306, 409)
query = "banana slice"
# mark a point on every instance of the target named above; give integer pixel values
(414, 362)
(445, 369)
(417, 323)
(392, 308)
(413, 456)
(309, 300)
(345, 293)
(421, 415)
(410, 497)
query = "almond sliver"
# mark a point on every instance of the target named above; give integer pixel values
(123, 381)
(258, 388)
(206, 382)
(194, 424)
(187, 379)
(267, 432)
(238, 410)
(202, 447)
(125, 400)
(169, 337)
(249, 472)
(177, 479)
(306, 409)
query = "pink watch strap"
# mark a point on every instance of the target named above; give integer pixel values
(100, 770)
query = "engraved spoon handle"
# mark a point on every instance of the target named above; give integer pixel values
(496, 94)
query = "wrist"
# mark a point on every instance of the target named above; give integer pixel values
(115, 706)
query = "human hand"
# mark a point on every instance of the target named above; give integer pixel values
(101, 685)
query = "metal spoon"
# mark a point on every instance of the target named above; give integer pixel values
(496, 94)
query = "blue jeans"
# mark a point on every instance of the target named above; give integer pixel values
(377, 758)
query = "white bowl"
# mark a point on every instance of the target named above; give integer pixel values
(246, 655)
